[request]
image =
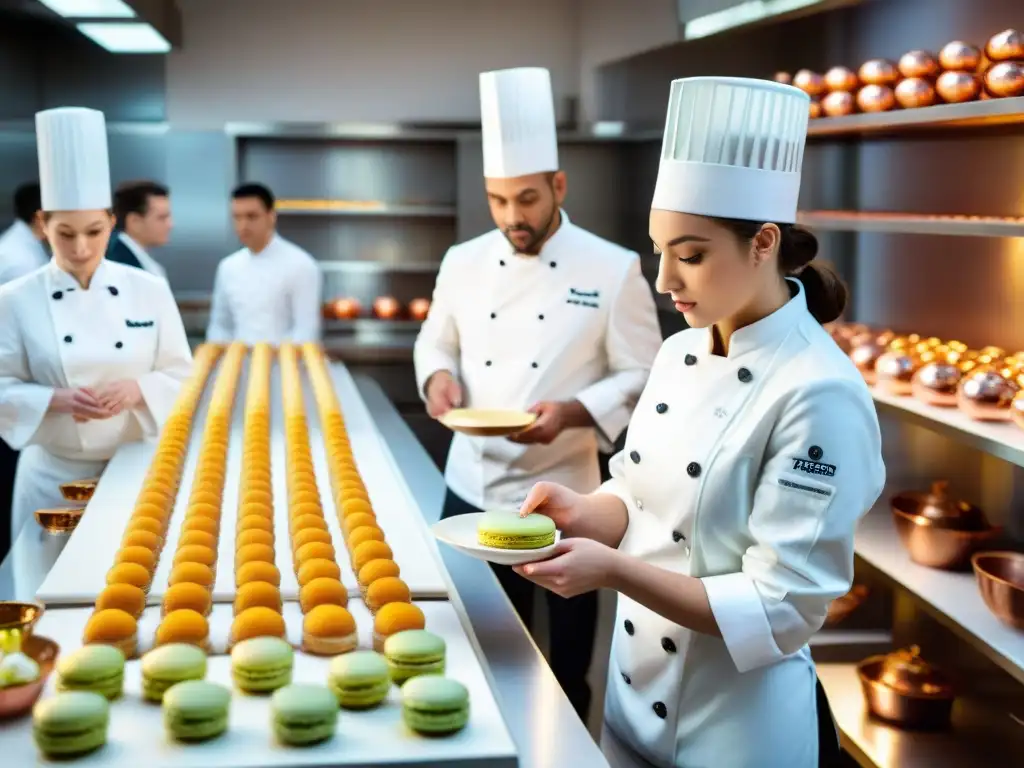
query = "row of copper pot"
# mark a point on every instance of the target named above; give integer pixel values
(959, 72)
(384, 307)
(906, 691)
(987, 384)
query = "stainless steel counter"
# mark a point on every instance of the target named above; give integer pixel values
(543, 724)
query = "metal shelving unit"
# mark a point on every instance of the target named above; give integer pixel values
(971, 114)
(913, 224)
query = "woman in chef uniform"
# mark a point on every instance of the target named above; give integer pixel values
(728, 525)
(92, 353)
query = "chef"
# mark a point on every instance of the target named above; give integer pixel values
(270, 290)
(142, 210)
(21, 244)
(536, 314)
(92, 353)
(728, 524)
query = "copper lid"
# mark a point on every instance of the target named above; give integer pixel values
(906, 672)
(938, 508)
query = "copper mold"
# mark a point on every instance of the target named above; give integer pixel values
(936, 383)
(894, 371)
(20, 615)
(59, 520)
(878, 72)
(841, 79)
(919, 64)
(419, 309)
(957, 87)
(864, 356)
(1007, 45)
(809, 82)
(902, 689)
(960, 56)
(986, 395)
(814, 109)
(1017, 409)
(915, 92)
(79, 491)
(1000, 577)
(17, 700)
(876, 98)
(1005, 79)
(839, 104)
(840, 608)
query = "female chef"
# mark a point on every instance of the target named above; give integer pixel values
(92, 353)
(727, 526)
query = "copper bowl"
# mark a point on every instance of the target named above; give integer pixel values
(843, 606)
(921, 700)
(936, 383)
(915, 92)
(814, 109)
(956, 87)
(938, 509)
(933, 546)
(386, 307)
(809, 82)
(419, 308)
(894, 371)
(1017, 409)
(919, 64)
(864, 355)
(346, 309)
(1005, 79)
(878, 72)
(839, 104)
(841, 79)
(1007, 45)
(959, 56)
(17, 700)
(59, 520)
(986, 395)
(79, 491)
(1000, 577)
(20, 616)
(876, 98)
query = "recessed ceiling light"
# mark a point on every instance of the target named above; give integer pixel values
(125, 38)
(90, 9)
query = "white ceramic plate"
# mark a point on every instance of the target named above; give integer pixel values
(484, 422)
(460, 532)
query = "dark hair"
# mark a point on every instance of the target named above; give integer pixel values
(255, 190)
(28, 201)
(825, 292)
(133, 197)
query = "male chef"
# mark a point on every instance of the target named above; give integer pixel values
(269, 291)
(536, 314)
(21, 244)
(143, 213)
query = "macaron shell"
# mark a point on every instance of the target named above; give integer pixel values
(95, 668)
(196, 710)
(70, 723)
(168, 665)
(360, 679)
(414, 652)
(262, 664)
(304, 714)
(435, 704)
(507, 530)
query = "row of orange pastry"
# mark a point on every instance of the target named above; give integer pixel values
(122, 601)
(383, 591)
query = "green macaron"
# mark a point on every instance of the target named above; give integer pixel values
(435, 705)
(507, 530)
(303, 714)
(262, 664)
(167, 665)
(414, 652)
(70, 723)
(359, 680)
(95, 668)
(196, 710)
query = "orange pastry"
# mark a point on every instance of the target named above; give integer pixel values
(376, 569)
(194, 553)
(150, 524)
(314, 550)
(364, 533)
(255, 496)
(305, 497)
(254, 536)
(197, 573)
(251, 508)
(257, 622)
(393, 618)
(369, 550)
(123, 597)
(142, 539)
(354, 506)
(141, 555)
(251, 553)
(200, 523)
(187, 595)
(305, 508)
(184, 626)
(256, 523)
(257, 594)
(307, 521)
(328, 630)
(316, 569)
(130, 573)
(258, 571)
(308, 535)
(157, 512)
(112, 627)
(322, 591)
(358, 520)
(205, 497)
(156, 498)
(203, 509)
(390, 589)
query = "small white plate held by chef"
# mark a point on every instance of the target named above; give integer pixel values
(485, 422)
(503, 538)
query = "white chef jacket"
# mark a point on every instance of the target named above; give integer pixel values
(148, 263)
(54, 334)
(750, 472)
(576, 322)
(272, 296)
(20, 252)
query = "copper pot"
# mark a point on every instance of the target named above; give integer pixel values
(814, 110)
(346, 309)
(939, 510)
(841, 79)
(386, 307)
(419, 308)
(919, 64)
(843, 606)
(915, 92)
(986, 395)
(809, 82)
(1007, 45)
(959, 56)
(936, 383)
(956, 87)
(878, 72)
(783, 77)
(839, 104)
(876, 98)
(1005, 79)
(894, 371)
(1017, 409)
(905, 690)
(1000, 577)
(933, 546)
(864, 356)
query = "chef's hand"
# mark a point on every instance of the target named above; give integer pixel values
(443, 393)
(118, 396)
(82, 404)
(551, 420)
(577, 566)
(561, 504)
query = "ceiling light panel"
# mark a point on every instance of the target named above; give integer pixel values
(125, 38)
(90, 9)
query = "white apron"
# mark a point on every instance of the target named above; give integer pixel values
(576, 322)
(55, 335)
(749, 472)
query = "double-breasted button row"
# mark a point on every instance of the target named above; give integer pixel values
(693, 469)
(660, 710)
(690, 360)
(668, 645)
(661, 407)
(744, 375)
(630, 629)
(634, 456)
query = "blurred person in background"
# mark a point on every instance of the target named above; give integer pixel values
(22, 248)
(142, 210)
(270, 290)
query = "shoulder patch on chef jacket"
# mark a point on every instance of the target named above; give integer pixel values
(140, 323)
(817, 490)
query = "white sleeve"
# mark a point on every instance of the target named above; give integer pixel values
(172, 365)
(801, 528)
(221, 328)
(632, 340)
(23, 403)
(437, 344)
(307, 302)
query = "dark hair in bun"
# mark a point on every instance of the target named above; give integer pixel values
(825, 292)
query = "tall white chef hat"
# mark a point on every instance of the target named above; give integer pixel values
(74, 168)
(733, 148)
(517, 114)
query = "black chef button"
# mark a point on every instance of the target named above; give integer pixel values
(57, 295)
(625, 679)
(493, 315)
(661, 407)
(668, 645)
(815, 452)
(634, 457)
(744, 375)
(67, 339)
(660, 710)
(488, 362)
(118, 345)
(502, 262)
(690, 360)
(629, 627)
(693, 469)
(113, 290)
(553, 264)
(677, 537)
(540, 317)
(533, 365)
